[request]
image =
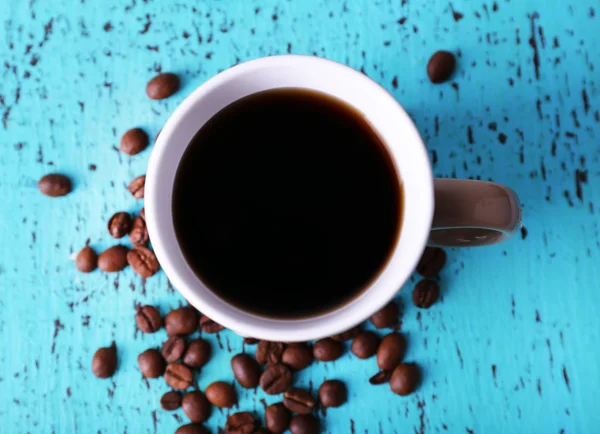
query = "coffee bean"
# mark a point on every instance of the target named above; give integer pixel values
(87, 260)
(405, 379)
(171, 400)
(207, 325)
(390, 352)
(380, 378)
(55, 185)
(197, 353)
(387, 316)
(104, 362)
(432, 262)
(365, 345)
(441, 66)
(148, 319)
(173, 349)
(304, 424)
(143, 213)
(250, 341)
(162, 86)
(139, 232)
(276, 379)
(347, 335)
(143, 261)
(332, 393)
(327, 350)
(134, 141)
(113, 259)
(195, 406)
(297, 356)
(426, 293)
(151, 363)
(269, 353)
(299, 401)
(277, 418)
(119, 224)
(178, 376)
(192, 428)
(181, 321)
(246, 370)
(136, 187)
(241, 423)
(221, 394)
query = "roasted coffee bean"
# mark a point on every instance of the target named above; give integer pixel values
(332, 393)
(151, 363)
(380, 378)
(143, 213)
(195, 406)
(139, 232)
(192, 428)
(181, 321)
(405, 379)
(148, 319)
(119, 224)
(269, 353)
(173, 349)
(207, 325)
(171, 400)
(241, 423)
(277, 418)
(299, 401)
(134, 141)
(143, 261)
(432, 262)
(297, 356)
(136, 187)
(251, 341)
(113, 259)
(365, 345)
(197, 353)
(390, 352)
(327, 350)
(441, 66)
(246, 370)
(178, 376)
(276, 379)
(426, 293)
(221, 394)
(104, 362)
(347, 335)
(387, 316)
(87, 260)
(55, 185)
(162, 86)
(304, 424)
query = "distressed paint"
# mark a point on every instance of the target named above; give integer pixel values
(512, 346)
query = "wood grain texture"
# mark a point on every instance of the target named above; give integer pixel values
(512, 346)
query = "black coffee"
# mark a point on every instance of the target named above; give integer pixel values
(286, 203)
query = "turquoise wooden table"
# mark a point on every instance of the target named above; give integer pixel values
(512, 347)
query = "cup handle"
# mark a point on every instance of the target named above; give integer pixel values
(473, 213)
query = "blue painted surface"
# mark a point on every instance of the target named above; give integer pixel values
(512, 346)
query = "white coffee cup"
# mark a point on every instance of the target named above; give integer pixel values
(484, 212)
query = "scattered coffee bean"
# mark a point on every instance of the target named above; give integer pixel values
(143, 213)
(441, 66)
(195, 406)
(365, 345)
(55, 185)
(143, 261)
(87, 260)
(276, 379)
(426, 293)
(387, 316)
(221, 394)
(251, 341)
(380, 378)
(241, 423)
(298, 401)
(277, 418)
(139, 232)
(136, 187)
(151, 363)
(347, 335)
(431, 262)
(162, 86)
(119, 224)
(178, 376)
(269, 353)
(327, 350)
(171, 400)
(332, 393)
(173, 349)
(148, 319)
(207, 325)
(197, 353)
(304, 424)
(405, 379)
(246, 370)
(113, 259)
(181, 321)
(297, 356)
(192, 428)
(390, 352)
(134, 141)
(104, 362)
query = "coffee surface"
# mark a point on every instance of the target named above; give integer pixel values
(286, 203)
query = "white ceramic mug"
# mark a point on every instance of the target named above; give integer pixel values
(469, 212)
